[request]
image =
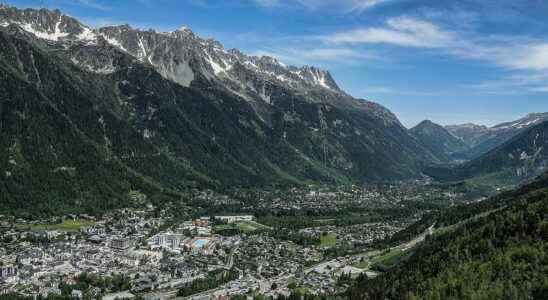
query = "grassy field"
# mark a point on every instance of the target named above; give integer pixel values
(67, 225)
(387, 259)
(362, 264)
(244, 226)
(223, 227)
(301, 291)
(328, 240)
(257, 225)
(325, 221)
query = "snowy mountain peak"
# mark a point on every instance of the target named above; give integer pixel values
(319, 77)
(49, 25)
(178, 55)
(173, 54)
(527, 121)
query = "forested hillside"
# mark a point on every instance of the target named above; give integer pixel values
(438, 140)
(499, 252)
(87, 116)
(521, 158)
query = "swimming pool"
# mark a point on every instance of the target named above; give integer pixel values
(200, 243)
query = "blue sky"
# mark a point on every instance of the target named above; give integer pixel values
(481, 61)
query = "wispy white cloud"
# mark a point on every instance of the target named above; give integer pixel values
(93, 4)
(524, 60)
(401, 31)
(508, 51)
(513, 84)
(524, 56)
(335, 54)
(345, 5)
(398, 91)
(540, 89)
(267, 3)
(299, 56)
(361, 5)
(528, 57)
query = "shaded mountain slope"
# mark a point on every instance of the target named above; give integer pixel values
(520, 158)
(143, 127)
(471, 134)
(49, 163)
(438, 140)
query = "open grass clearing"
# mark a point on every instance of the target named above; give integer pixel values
(364, 264)
(243, 226)
(387, 258)
(328, 240)
(67, 226)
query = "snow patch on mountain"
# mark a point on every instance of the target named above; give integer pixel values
(178, 55)
(87, 35)
(528, 121)
(317, 77)
(56, 35)
(114, 42)
(217, 68)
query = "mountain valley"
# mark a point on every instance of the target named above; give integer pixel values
(154, 164)
(204, 115)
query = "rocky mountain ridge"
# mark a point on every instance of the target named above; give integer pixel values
(206, 55)
(521, 158)
(176, 113)
(182, 56)
(481, 139)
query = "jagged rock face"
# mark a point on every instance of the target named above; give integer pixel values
(169, 110)
(45, 24)
(182, 57)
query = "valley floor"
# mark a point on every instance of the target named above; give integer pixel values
(269, 243)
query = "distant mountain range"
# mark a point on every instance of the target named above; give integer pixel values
(523, 156)
(482, 139)
(439, 141)
(470, 134)
(88, 115)
(505, 154)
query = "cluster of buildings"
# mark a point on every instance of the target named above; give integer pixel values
(332, 200)
(159, 257)
(179, 243)
(33, 266)
(158, 260)
(131, 242)
(358, 235)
